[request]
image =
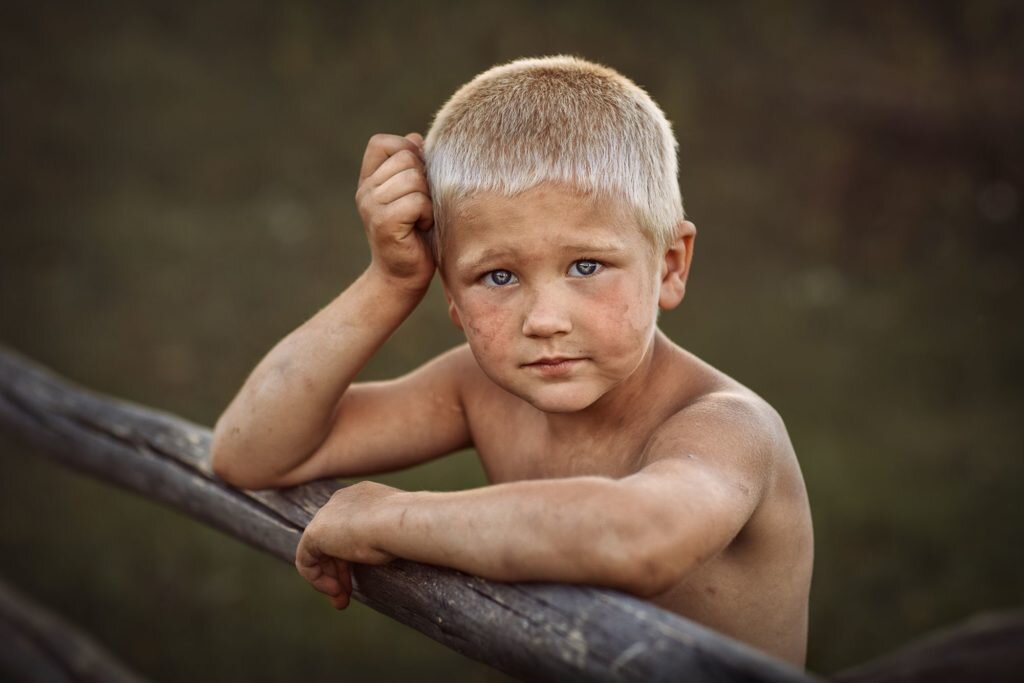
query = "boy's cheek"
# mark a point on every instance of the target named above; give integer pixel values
(620, 308)
(486, 326)
(481, 332)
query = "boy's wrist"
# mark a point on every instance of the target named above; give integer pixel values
(385, 518)
(390, 286)
(400, 522)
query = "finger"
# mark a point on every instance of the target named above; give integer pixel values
(414, 210)
(417, 138)
(341, 601)
(399, 161)
(307, 563)
(401, 184)
(329, 565)
(327, 585)
(320, 580)
(345, 575)
(324, 576)
(316, 568)
(344, 596)
(379, 148)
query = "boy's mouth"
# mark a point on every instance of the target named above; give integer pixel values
(554, 365)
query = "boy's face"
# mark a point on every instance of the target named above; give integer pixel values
(557, 292)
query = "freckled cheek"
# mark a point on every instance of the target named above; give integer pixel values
(487, 327)
(620, 315)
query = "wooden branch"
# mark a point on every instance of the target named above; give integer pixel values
(535, 631)
(35, 645)
(986, 649)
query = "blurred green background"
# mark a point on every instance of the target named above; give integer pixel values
(177, 188)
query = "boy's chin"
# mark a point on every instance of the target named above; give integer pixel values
(564, 398)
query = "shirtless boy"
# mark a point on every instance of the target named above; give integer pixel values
(546, 197)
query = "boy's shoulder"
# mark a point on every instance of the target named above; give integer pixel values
(719, 420)
(735, 442)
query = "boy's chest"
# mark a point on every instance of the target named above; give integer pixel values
(512, 451)
(504, 466)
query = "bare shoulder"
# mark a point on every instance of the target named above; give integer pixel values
(727, 419)
(721, 464)
(731, 440)
(726, 428)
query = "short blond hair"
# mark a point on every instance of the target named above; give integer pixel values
(555, 119)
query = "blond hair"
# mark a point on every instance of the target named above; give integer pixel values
(555, 119)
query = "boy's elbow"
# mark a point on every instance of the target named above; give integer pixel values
(234, 460)
(651, 574)
(655, 561)
(227, 470)
(221, 466)
(225, 463)
(220, 459)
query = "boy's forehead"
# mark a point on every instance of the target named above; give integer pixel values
(541, 219)
(550, 201)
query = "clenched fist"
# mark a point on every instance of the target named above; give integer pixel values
(394, 202)
(343, 532)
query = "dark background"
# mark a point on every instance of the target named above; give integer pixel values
(177, 187)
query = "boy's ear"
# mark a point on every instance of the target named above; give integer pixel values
(676, 266)
(453, 313)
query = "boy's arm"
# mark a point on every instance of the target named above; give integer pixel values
(290, 402)
(706, 472)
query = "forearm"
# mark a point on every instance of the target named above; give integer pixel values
(283, 411)
(576, 530)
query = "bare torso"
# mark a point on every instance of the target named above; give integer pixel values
(756, 590)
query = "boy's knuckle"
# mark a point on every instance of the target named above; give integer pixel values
(358, 486)
(399, 178)
(406, 157)
(412, 181)
(418, 179)
(410, 207)
(383, 217)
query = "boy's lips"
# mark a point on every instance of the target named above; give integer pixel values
(554, 365)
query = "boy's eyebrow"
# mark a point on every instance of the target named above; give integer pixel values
(595, 247)
(475, 260)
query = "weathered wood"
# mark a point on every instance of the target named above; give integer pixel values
(535, 631)
(36, 645)
(989, 648)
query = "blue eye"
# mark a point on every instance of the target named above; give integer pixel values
(584, 268)
(499, 278)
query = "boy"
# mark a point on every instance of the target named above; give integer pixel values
(546, 197)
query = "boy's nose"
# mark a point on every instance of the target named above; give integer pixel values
(546, 316)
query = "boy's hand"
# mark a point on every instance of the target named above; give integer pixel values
(341, 533)
(394, 202)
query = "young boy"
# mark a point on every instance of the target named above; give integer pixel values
(546, 197)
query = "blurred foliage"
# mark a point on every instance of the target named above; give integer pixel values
(177, 184)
